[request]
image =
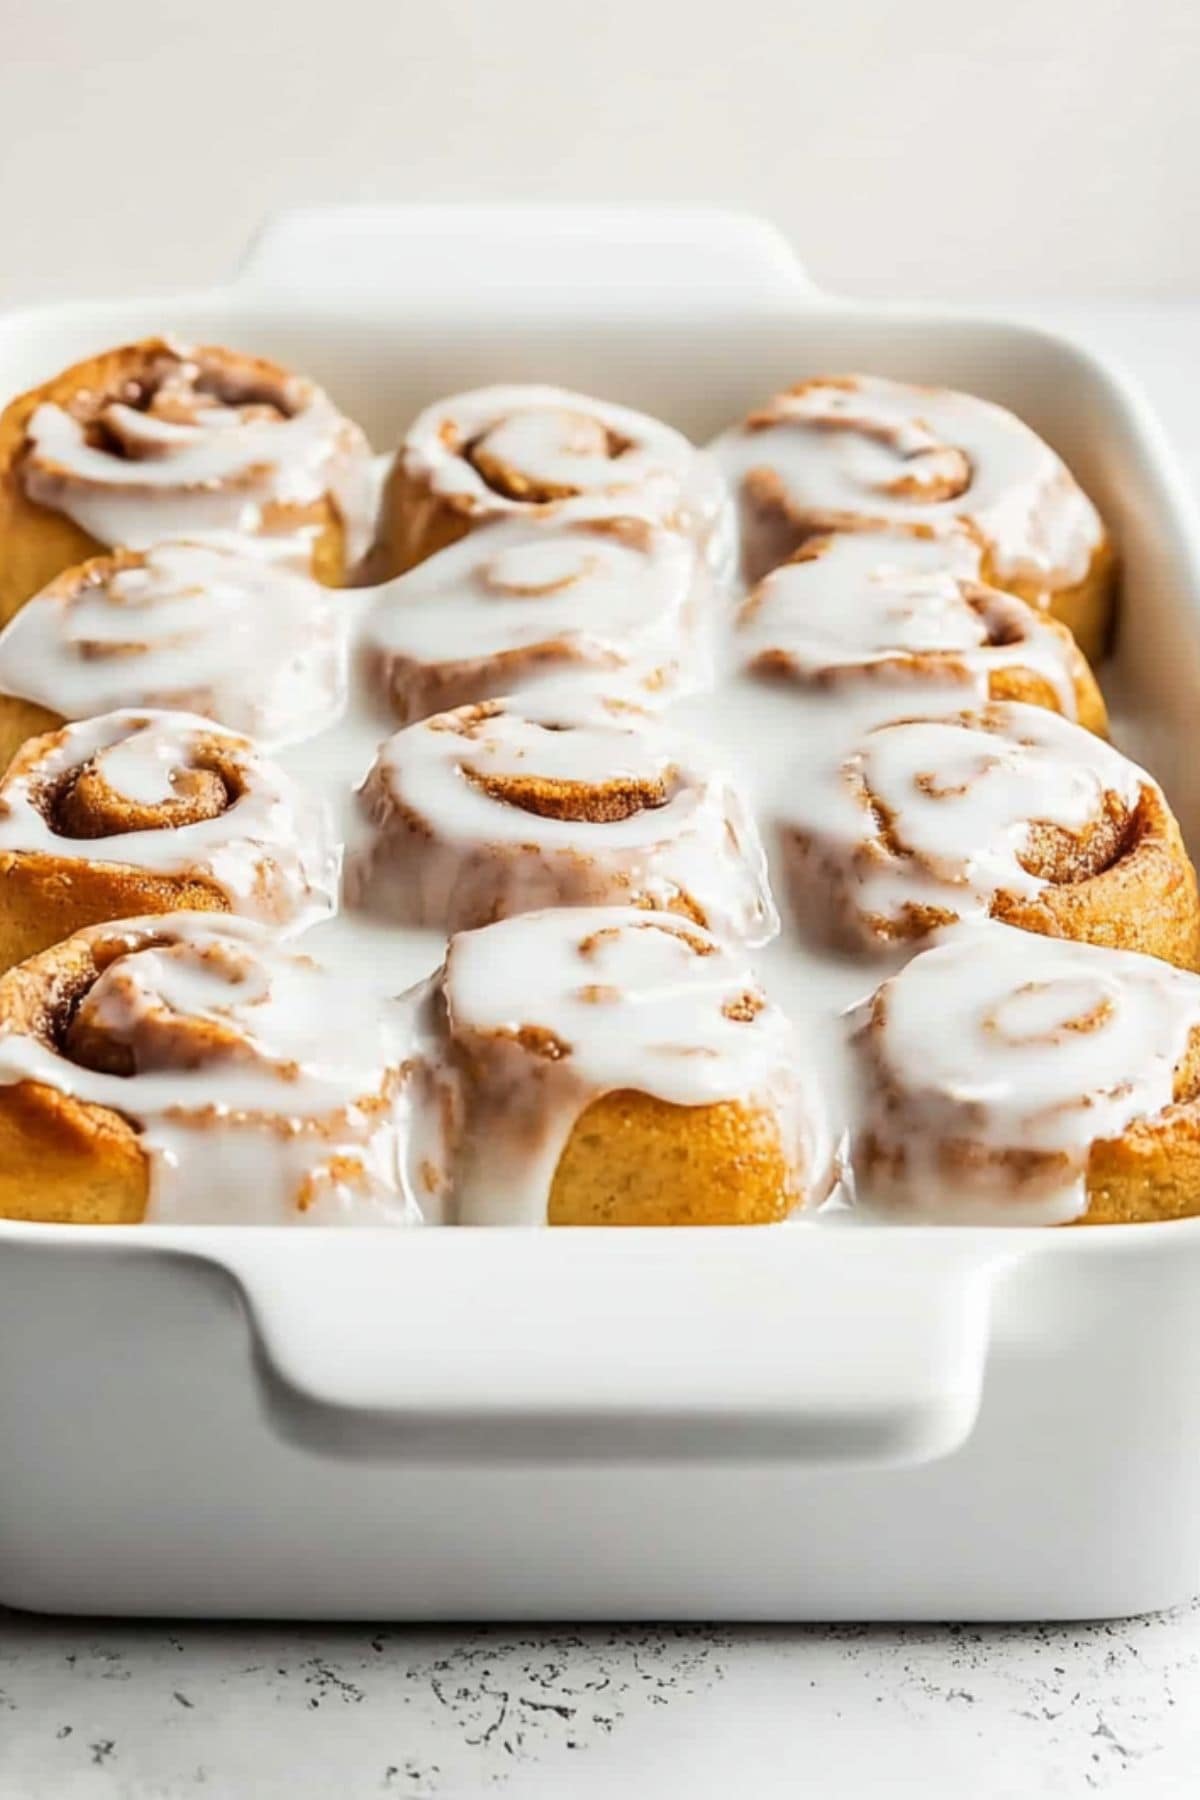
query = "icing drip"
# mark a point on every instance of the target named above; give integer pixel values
(878, 604)
(501, 450)
(175, 795)
(561, 801)
(928, 820)
(197, 441)
(841, 453)
(550, 1011)
(529, 598)
(201, 628)
(992, 1063)
(266, 1089)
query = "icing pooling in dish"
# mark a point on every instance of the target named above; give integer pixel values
(890, 602)
(588, 589)
(567, 1006)
(224, 811)
(266, 1090)
(200, 444)
(558, 800)
(1042, 1048)
(211, 628)
(503, 450)
(940, 814)
(833, 454)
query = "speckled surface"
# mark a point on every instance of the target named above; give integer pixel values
(843, 1713)
(95, 1709)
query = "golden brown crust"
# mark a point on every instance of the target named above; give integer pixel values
(1087, 608)
(633, 1159)
(39, 543)
(414, 524)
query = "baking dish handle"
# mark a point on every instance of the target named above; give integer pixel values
(822, 1348)
(546, 256)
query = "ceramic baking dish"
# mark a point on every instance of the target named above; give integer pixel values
(871, 1422)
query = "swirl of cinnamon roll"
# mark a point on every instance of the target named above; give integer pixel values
(155, 441)
(844, 452)
(143, 812)
(619, 1068)
(1013, 1080)
(195, 1070)
(524, 600)
(1012, 812)
(490, 810)
(501, 452)
(905, 610)
(195, 628)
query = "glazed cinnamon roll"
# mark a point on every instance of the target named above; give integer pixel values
(497, 809)
(521, 600)
(843, 452)
(143, 812)
(194, 1070)
(905, 610)
(619, 1068)
(155, 441)
(504, 452)
(1011, 812)
(1021, 1081)
(199, 628)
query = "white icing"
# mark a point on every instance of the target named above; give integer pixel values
(1027, 1046)
(202, 628)
(572, 445)
(447, 851)
(866, 603)
(201, 458)
(639, 1001)
(864, 449)
(938, 813)
(524, 598)
(270, 851)
(266, 1089)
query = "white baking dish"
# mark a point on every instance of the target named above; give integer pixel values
(857, 1423)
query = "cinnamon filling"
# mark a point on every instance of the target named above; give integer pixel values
(173, 392)
(1063, 858)
(600, 803)
(82, 804)
(579, 435)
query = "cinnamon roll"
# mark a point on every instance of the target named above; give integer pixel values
(144, 812)
(199, 628)
(501, 452)
(497, 809)
(1020, 1081)
(905, 609)
(194, 1070)
(155, 441)
(619, 1068)
(523, 599)
(843, 452)
(1011, 812)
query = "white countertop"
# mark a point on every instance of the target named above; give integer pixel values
(845, 1713)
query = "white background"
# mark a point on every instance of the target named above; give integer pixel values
(929, 146)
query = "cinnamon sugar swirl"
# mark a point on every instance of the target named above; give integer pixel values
(844, 452)
(156, 441)
(143, 812)
(200, 628)
(193, 1070)
(501, 452)
(582, 593)
(1011, 812)
(619, 1069)
(504, 808)
(1021, 1081)
(905, 610)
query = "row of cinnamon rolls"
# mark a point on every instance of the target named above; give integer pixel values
(553, 571)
